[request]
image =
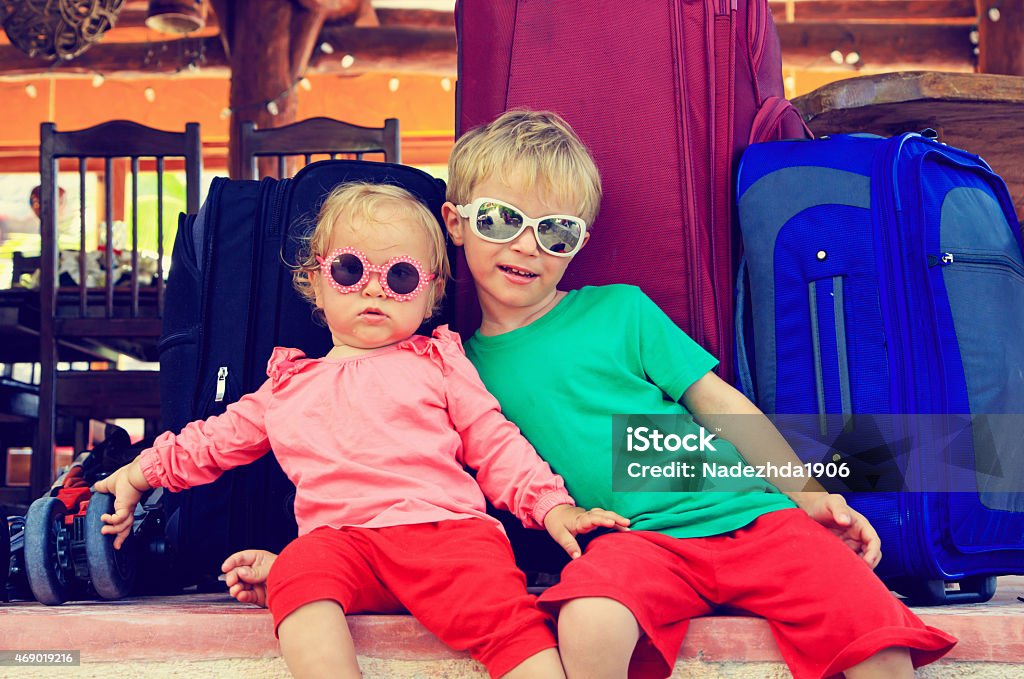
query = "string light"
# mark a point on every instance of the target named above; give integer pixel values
(97, 80)
(271, 105)
(836, 56)
(852, 58)
(31, 91)
(326, 47)
(347, 61)
(993, 14)
(150, 94)
(446, 84)
(393, 84)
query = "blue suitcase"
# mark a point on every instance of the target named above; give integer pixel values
(229, 302)
(886, 279)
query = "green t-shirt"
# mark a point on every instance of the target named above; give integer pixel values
(600, 352)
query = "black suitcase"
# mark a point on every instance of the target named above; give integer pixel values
(229, 302)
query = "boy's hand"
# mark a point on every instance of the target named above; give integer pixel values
(565, 522)
(246, 575)
(846, 523)
(127, 485)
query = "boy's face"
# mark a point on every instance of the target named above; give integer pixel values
(515, 279)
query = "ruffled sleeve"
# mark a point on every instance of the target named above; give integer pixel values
(283, 363)
(440, 348)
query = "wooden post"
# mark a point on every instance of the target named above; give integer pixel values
(260, 57)
(1001, 37)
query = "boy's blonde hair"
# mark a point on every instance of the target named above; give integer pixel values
(361, 202)
(536, 146)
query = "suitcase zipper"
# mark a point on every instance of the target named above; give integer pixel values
(222, 383)
(209, 229)
(755, 40)
(890, 218)
(678, 22)
(995, 260)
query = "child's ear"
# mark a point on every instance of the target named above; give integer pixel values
(586, 237)
(453, 222)
(431, 301)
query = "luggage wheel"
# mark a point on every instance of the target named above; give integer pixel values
(922, 592)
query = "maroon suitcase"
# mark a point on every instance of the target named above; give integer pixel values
(666, 94)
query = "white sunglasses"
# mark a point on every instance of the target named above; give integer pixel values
(496, 221)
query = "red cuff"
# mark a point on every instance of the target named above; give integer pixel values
(153, 469)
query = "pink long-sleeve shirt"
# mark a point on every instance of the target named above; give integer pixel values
(373, 440)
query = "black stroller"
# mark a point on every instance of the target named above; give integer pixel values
(56, 551)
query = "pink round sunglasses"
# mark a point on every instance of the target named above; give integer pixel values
(348, 270)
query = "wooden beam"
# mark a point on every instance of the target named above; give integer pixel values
(1001, 36)
(420, 18)
(126, 58)
(432, 50)
(264, 62)
(397, 48)
(878, 47)
(333, 6)
(131, 22)
(949, 12)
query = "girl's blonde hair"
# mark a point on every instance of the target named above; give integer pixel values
(362, 202)
(537, 147)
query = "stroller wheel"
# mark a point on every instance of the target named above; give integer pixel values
(48, 552)
(111, 571)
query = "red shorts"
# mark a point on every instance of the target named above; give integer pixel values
(827, 609)
(458, 578)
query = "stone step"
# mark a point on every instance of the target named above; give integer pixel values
(211, 635)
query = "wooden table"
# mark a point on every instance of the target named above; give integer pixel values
(980, 113)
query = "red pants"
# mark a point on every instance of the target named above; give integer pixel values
(827, 609)
(458, 578)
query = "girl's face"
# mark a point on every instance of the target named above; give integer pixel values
(368, 318)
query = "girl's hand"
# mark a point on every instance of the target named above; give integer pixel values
(127, 485)
(246, 575)
(565, 522)
(844, 522)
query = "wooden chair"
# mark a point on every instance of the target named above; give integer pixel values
(124, 315)
(316, 136)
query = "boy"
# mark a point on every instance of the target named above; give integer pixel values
(562, 363)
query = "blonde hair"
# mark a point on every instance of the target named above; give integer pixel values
(363, 202)
(536, 146)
